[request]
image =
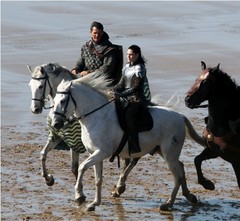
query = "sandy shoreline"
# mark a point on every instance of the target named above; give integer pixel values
(175, 37)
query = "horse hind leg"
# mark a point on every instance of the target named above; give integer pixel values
(177, 170)
(190, 197)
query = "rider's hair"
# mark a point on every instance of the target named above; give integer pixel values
(137, 50)
(97, 25)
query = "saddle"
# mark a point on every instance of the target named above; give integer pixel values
(229, 142)
(145, 123)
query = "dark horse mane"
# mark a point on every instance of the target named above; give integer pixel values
(224, 77)
(227, 101)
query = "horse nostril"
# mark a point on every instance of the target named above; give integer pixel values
(186, 100)
(37, 110)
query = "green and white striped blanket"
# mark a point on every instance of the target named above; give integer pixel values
(70, 134)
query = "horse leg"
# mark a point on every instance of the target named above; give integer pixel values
(74, 162)
(94, 159)
(43, 156)
(205, 155)
(98, 184)
(121, 186)
(176, 169)
(236, 167)
(190, 197)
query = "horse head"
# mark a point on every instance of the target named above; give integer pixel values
(202, 87)
(40, 87)
(222, 95)
(44, 82)
(64, 104)
(80, 97)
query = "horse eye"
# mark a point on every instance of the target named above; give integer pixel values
(41, 86)
(63, 101)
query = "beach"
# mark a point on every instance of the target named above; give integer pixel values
(174, 37)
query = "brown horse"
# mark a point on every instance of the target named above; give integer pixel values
(223, 122)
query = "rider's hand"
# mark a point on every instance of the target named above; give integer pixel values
(83, 73)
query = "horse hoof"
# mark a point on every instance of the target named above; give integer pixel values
(49, 180)
(90, 208)
(165, 207)
(115, 194)
(207, 184)
(192, 198)
(118, 191)
(80, 200)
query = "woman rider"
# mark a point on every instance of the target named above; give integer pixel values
(133, 87)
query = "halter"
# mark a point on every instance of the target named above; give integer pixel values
(75, 104)
(42, 99)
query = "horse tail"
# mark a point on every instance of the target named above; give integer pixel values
(193, 133)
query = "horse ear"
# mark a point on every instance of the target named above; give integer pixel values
(216, 68)
(29, 68)
(203, 65)
(42, 70)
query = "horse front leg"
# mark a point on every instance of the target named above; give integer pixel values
(98, 185)
(43, 156)
(74, 162)
(206, 154)
(94, 159)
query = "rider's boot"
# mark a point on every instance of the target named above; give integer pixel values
(133, 142)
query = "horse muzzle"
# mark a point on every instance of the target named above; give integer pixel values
(188, 102)
(58, 124)
(36, 110)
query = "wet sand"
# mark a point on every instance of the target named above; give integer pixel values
(174, 37)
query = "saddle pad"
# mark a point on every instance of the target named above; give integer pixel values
(145, 121)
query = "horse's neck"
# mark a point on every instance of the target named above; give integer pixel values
(219, 115)
(88, 100)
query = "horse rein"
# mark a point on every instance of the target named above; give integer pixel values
(46, 78)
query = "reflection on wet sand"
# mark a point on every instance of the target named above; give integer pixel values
(174, 37)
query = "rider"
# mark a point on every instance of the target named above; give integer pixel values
(97, 55)
(133, 87)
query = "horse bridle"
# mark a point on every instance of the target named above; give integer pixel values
(42, 98)
(75, 104)
(197, 85)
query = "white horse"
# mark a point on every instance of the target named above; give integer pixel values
(88, 99)
(44, 82)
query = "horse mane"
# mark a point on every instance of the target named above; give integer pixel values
(224, 77)
(99, 82)
(52, 68)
